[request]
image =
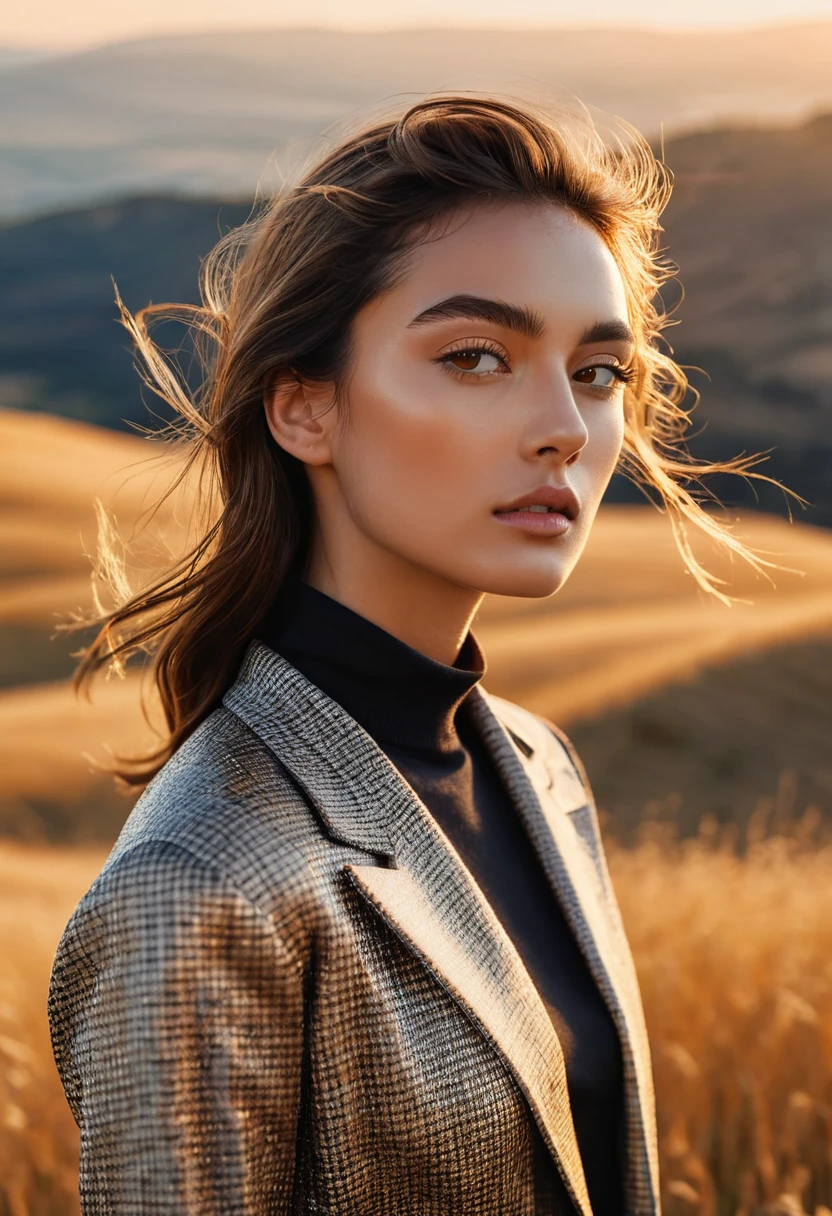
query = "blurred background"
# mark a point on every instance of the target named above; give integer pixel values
(130, 139)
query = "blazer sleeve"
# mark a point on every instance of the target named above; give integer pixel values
(176, 1015)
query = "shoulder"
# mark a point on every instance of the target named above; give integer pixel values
(222, 840)
(224, 809)
(163, 945)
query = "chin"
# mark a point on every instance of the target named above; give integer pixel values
(525, 583)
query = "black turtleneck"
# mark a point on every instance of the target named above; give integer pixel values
(415, 709)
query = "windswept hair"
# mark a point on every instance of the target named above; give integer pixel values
(279, 294)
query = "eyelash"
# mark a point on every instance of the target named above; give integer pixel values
(624, 373)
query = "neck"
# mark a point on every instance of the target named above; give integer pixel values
(425, 611)
(402, 697)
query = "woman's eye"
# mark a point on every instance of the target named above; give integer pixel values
(613, 376)
(479, 362)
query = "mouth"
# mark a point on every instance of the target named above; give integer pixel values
(541, 504)
(541, 521)
(535, 508)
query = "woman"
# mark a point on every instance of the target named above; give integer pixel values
(356, 950)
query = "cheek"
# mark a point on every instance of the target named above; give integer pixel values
(409, 446)
(606, 435)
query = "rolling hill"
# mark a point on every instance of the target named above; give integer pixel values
(667, 692)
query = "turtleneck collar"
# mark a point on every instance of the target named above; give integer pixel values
(401, 697)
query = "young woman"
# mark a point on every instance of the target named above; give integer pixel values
(356, 950)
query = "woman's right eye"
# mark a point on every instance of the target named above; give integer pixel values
(474, 362)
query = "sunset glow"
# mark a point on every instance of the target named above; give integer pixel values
(50, 25)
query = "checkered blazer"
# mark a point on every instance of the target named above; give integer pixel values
(285, 992)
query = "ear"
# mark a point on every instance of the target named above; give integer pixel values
(301, 416)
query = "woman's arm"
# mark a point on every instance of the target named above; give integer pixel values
(176, 1014)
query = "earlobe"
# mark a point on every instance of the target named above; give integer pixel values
(298, 414)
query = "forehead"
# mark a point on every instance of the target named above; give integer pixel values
(536, 254)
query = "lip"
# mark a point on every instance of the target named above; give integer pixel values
(564, 509)
(561, 499)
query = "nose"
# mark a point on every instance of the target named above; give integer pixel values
(556, 427)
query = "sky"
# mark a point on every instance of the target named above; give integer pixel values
(56, 25)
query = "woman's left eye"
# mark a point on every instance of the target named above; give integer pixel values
(617, 375)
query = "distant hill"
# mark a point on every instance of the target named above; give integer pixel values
(61, 347)
(750, 225)
(205, 113)
(18, 57)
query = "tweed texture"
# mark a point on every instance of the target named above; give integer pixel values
(285, 993)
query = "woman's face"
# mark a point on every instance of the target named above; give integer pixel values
(476, 382)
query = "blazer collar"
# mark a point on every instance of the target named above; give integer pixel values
(432, 902)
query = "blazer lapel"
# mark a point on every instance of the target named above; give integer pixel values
(558, 812)
(436, 909)
(427, 895)
(435, 906)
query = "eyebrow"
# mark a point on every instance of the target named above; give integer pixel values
(517, 317)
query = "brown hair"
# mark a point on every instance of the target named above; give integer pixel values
(280, 293)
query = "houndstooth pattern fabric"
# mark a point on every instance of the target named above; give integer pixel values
(284, 993)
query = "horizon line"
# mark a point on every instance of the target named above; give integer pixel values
(645, 27)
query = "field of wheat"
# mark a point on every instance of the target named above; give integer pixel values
(734, 954)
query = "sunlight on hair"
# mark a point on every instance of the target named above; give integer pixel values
(275, 296)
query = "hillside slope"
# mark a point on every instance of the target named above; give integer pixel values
(628, 625)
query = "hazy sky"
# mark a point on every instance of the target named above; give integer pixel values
(54, 23)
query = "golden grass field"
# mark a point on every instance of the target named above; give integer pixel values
(734, 952)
